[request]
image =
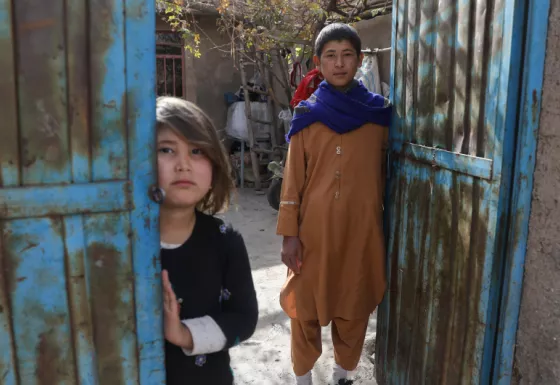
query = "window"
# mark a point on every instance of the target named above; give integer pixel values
(169, 64)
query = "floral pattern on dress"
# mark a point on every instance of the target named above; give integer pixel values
(200, 360)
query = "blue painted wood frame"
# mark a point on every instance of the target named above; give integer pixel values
(80, 285)
(528, 123)
(140, 80)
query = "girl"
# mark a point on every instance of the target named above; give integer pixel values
(210, 302)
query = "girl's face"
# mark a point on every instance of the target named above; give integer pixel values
(184, 171)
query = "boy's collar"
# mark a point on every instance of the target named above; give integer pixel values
(353, 84)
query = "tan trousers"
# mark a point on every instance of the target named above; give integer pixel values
(348, 341)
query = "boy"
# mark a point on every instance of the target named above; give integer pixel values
(331, 209)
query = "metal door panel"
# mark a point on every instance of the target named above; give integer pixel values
(453, 87)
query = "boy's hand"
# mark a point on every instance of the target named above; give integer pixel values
(292, 253)
(174, 330)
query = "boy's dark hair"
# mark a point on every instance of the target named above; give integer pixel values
(337, 32)
(187, 120)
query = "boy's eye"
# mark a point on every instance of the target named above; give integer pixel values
(165, 150)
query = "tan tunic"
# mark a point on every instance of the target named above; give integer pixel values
(332, 197)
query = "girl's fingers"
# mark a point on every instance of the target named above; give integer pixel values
(165, 287)
(172, 296)
(170, 303)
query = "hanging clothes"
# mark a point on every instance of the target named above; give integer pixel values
(368, 73)
(307, 87)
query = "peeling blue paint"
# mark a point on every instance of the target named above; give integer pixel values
(526, 149)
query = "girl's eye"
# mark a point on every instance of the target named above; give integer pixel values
(165, 150)
(197, 151)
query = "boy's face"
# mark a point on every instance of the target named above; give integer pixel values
(339, 63)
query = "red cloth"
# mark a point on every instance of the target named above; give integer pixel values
(307, 86)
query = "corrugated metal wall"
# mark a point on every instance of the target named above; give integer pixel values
(452, 148)
(79, 287)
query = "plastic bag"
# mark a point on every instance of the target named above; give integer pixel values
(236, 126)
(286, 117)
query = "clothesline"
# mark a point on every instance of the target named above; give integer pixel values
(375, 51)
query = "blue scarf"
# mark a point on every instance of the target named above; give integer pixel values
(342, 112)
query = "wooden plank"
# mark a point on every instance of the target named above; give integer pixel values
(410, 75)
(399, 279)
(36, 281)
(443, 77)
(440, 254)
(250, 128)
(462, 235)
(78, 89)
(144, 217)
(111, 285)
(108, 90)
(461, 122)
(478, 60)
(42, 91)
(414, 256)
(464, 164)
(9, 143)
(8, 368)
(79, 299)
(272, 106)
(64, 200)
(260, 121)
(426, 72)
(478, 276)
(386, 311)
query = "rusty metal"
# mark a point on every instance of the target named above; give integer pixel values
(454, 88)
(79, 270)
(529, 112)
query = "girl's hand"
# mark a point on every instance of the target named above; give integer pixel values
(174, 330)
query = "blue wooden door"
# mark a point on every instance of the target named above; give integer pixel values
(80, 297)
(456, 68)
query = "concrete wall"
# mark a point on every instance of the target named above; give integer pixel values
(376, 33)
(214, 72)
(537, 359)
(207, 78)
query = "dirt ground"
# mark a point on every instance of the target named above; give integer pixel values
(265, 358)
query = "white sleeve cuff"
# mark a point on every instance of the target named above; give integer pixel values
(207, 336)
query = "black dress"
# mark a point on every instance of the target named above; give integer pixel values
(211, 274)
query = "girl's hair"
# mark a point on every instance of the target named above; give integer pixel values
(190, 122)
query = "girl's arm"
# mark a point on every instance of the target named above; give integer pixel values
(240, 312)
(238, 319)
